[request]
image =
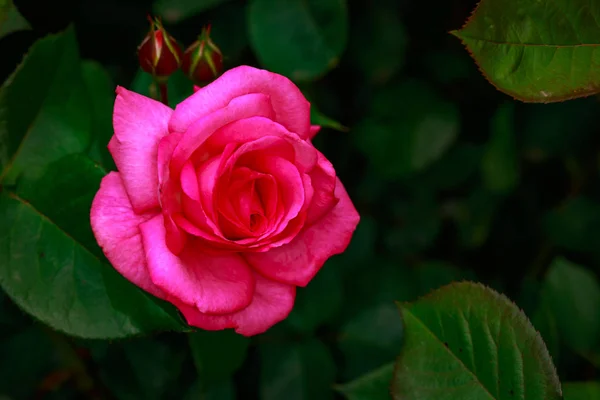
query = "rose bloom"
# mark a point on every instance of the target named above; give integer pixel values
(222, 206)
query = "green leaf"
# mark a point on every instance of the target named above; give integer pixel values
(217, 355)
(44, 111)
(174, 11)
(296, 371)
(572, 293)
(302, 39)
(465, 341)
(500, 165)
(318, 118)
(11, 19)
(372, 386)
(574, 225)
(101, 94)
(51, 266)
(581, 390)
(536, 51)
(370, 339)
(318, 302)
(378, 41)
(179, 86)
(400, 141)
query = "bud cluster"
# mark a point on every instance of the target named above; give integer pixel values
(160, 55)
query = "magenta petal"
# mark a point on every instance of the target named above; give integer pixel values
(249, 105)
(292, 110)
(211, 283)
(250, 129)
(298, 262)
(323, 181)
(139, 124)
(116, 227)
(165, 150)
(189, 181)
(271, 304)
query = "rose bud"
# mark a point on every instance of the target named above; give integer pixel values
(159, 54)
(222, 206)
(203, 61)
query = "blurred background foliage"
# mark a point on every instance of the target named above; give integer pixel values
(454, 181)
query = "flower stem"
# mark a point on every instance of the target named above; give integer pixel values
(164, 98)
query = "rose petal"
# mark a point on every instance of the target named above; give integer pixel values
(116, 227)
(250, 129)
(139, 124)
(189, 181)
(292, 110)
(271, 304)
(211, 283)
(250, 105)
(323, 181)
(297, 262)
(165, 151)
(289, 181)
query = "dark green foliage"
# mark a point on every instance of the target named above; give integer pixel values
(453, 179)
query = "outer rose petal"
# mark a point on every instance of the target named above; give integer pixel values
(291, 107)
(271, 304)
(139, 124)
(115, 226)
(324, 181)
(297, 262)
(210, 283)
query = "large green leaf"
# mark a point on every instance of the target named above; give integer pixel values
(51, 266)
(296, 371)
(101, 93)
(301, 39)
(581, 390)
(465, 341)
(44, 110)
(372, 386)
(10, 18)
(572, 294)
(217, 355)
(538, 51)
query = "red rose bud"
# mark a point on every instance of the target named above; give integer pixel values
(202, 61)
(159, 54)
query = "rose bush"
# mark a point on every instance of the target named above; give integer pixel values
(221, 206)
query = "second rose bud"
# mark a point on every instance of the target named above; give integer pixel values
(202, 61)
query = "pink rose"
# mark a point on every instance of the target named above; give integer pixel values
(221, 206)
